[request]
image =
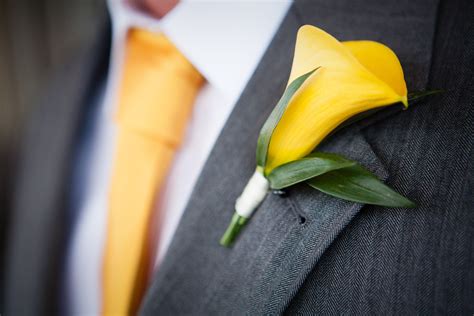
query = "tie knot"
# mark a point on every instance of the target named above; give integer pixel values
(158, 89)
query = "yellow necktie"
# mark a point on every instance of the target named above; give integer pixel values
(158, 90)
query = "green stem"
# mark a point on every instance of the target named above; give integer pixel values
(233, 230)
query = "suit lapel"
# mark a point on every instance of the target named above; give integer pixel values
(38, 226)
(288, 235)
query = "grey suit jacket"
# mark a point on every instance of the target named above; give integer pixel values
(305, 252)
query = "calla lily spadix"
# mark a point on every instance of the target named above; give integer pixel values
(330, 82)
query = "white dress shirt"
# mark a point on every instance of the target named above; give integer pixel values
(225, 41)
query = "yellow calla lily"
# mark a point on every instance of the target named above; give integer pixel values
(353, 77)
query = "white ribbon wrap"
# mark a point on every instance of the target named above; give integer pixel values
(254, 193)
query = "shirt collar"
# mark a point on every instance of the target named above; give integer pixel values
(223, 40)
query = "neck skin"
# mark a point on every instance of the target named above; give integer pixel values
(157, 8)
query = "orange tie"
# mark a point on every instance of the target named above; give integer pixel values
(158, 90)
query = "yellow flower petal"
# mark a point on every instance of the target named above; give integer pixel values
(381, 61)
(346, 84)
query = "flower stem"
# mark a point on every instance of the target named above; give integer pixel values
(232, 231)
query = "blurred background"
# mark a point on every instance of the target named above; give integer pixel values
(36, 37)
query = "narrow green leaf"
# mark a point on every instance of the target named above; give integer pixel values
(357, 184)
(356, 118)
(272, 121)
(359, 117)
(313, 165)
(412, 96)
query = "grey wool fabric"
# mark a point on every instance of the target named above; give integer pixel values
(308, 253)
(303, 253)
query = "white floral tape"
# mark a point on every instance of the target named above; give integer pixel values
(254, 193)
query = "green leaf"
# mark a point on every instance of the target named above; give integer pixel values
(412, 96)
(272, 121)
(313, 165)
(415, 95)
(357, 184)
(356, 118)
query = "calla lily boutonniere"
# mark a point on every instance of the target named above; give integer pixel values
(330, 84)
